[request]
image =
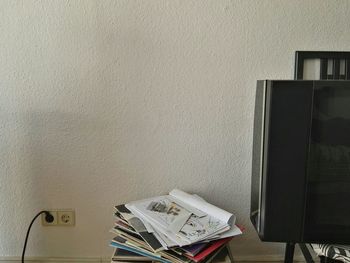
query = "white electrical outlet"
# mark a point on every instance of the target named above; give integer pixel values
(62, 217)
(66, 218)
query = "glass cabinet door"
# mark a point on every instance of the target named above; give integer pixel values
(328, 189)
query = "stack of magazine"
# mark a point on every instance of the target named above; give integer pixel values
(178, 227)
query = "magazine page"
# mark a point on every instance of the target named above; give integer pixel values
(199, 228)
(127, 215)
(164, 211)
(138, 225)
(204, 206)
(193, 230)
(119, 242)
(234, 231)
(182, 217)
(159, 229)
(162, 238)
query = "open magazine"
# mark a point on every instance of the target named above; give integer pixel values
(182, 219)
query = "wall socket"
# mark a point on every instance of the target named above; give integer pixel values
(62, 217)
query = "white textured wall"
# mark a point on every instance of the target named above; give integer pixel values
(103, 102)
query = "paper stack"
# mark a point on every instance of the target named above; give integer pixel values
(178, 227)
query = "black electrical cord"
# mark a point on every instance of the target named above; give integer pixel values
(48, 217)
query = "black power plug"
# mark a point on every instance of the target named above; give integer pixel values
(48, 217)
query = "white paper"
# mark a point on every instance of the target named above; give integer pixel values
(204, 206)
(183, 218)
(234, 231)
(195, 229)
(164, 211)
(199, 228)
(158, 228)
